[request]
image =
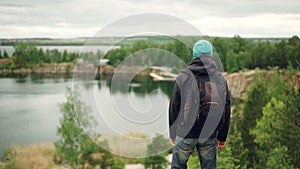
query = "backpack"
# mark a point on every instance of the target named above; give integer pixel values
(211, 92)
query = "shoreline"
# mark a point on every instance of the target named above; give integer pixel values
(238, 82)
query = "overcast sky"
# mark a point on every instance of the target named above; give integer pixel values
(81, 18)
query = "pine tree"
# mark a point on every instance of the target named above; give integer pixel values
(5, 55)
(225, 159)
(252, 111)
(279, 125)
(278, 159)
(270, 134)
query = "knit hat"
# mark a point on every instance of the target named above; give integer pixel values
(202, 47)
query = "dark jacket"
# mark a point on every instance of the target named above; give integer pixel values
(182, 116)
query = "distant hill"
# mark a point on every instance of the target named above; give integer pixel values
(112, 40)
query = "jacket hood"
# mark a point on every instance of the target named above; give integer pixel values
(203, 65)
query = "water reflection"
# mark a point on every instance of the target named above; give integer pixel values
(30, 112)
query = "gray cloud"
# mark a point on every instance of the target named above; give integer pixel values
(48, 16)
(246, 8)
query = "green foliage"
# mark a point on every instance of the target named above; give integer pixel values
(5, 55)
(156, 159)
(25, 56)
(252, 111)
(88, 57)
(267, 130)
(278, 159)
(225, 159)
(235, 53)
(74, 145)
(293, 41)
(118, 163)
(273, 136)
(269, 125)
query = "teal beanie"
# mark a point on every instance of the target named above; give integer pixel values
(202, 47)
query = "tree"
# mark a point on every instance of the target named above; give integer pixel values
(256, 99)
(280, 56)
(156, 159)
(65, 56)
(225, 160)
(293, 40)
(270, 136)
(238, 150)
(74, 145)
(41, 56)
(240, 44)
(232, 62)
(5, 55)
(222, 47)
(279, 125)
(278, 159)
(267, 128)
(292, 125)
(21, 52)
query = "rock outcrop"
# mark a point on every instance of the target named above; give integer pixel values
(238, 83)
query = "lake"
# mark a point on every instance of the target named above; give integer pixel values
(30, 112)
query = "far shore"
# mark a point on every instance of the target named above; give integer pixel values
(238, 82)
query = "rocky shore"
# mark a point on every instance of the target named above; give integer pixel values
(238, 83)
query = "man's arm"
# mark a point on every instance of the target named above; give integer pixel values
(174, 109)
(222, 135)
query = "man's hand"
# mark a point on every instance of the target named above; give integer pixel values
(172, 141)
(221, 144)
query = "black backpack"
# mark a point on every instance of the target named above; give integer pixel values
(212, 95)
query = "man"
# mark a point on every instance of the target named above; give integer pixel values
(199, 112)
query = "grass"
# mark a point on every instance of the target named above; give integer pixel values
(128, 145)
(39, 156)
(44, 156)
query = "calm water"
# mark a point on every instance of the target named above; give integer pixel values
(29, 111)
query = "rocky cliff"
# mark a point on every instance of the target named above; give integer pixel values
(238, 83)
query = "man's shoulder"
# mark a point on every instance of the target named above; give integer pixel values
(184, 74)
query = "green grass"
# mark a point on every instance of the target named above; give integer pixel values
(129, 145)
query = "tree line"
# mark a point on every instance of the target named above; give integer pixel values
(235, 53)
(26, 55)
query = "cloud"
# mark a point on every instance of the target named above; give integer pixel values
(248, 8)
(74, 18)
(263, 25)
